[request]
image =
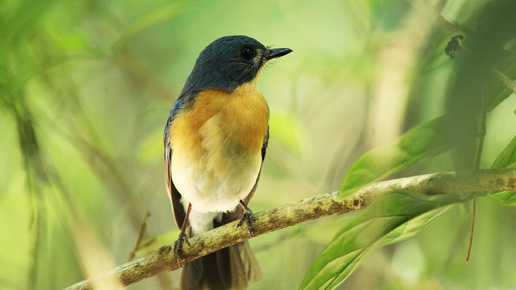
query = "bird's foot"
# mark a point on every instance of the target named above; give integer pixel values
(178, 247)
(248, 216)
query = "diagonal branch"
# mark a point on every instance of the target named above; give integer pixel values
(297, 212)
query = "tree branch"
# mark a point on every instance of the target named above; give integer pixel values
(510, 84)
(297, 212)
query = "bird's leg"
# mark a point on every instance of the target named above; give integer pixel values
(178, 244)
(248, 216)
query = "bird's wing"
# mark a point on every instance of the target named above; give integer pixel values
(265, 143)
(264, 150)
(174, 195)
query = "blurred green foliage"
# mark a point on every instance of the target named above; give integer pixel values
(86, 87)
(418, 144)
(394, 217)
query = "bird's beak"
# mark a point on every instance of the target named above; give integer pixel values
(277, 52)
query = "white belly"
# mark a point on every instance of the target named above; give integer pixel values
(214, 190)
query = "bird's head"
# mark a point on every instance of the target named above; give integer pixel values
(230, 62)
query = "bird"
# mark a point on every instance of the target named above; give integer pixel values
(215, 141)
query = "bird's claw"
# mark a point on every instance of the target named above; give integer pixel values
(178, 247)
(248, 216)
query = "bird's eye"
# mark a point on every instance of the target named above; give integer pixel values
(247, 52)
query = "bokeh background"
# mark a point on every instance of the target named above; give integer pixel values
(86, 88)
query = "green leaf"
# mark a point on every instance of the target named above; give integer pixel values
(504, 197)
(506, 159)
(421, 143)
(394, 217)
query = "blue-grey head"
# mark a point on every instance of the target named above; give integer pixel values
(228, 63)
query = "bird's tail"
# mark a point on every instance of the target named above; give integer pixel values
(229, 268)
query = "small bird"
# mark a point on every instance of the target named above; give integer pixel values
(215, 141)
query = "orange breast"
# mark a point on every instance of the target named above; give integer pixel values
(235, 122)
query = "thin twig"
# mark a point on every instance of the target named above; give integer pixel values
(139, 237)
(481, 136)
(472, 228)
